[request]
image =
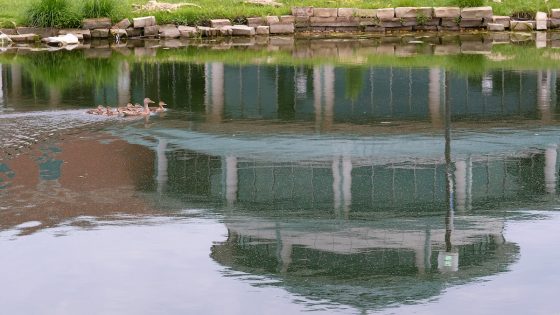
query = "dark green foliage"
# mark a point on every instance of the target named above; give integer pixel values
(102, 8)
(52, 13)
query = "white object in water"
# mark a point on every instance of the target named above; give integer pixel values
(62, 40)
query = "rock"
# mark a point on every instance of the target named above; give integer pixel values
(133, 32)
(24, 38)
(346, 12)
(553, 23)
(220, 23)
(207, 31)
(144, 21)
(541, 21)
(91, 24)
(118, 33)
(242, 30)
(495, 27)
(8, 31)
(366, 13)
(100, 33)
(122, 24)
(282, 28)
(85, 34)
(272, 20)
(504, 20)
(447, 12)
(555, 13)
(40, 31)
(302, 11)
(286, 19)
(187, 31)
(226, 30)
(522, 26)
(255, 21)
(413, 12)
(61, 40)
(471, 23)
(151, 30)
(476, 13)
(262, 30)
(325, 12)
(385, 14)
(168, 31)
(450, 22)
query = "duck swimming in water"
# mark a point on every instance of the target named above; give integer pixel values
(142, 111)
(160, 108)
(100, 110)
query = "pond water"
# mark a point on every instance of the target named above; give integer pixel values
(390, 175)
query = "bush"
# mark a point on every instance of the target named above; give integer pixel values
(468, 3)
(52, 13)
(102, 8)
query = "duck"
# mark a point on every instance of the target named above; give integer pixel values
(109, 111)
(142, 111)
(100, 110)
(160, 108)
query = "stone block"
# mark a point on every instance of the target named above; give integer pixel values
(22, 38)
(386, 14)
(346, 12)
(366, 13)
(242, 30)
(217, 23)
(226, 30)
(447, 12)
(144, 21)
(426, 28)
(471, 23)
(366, 21)
(553, 23)
(449, 28)
(325, 12)
(123, 24)
(207, 31)
(495, 27)
(262, 30)
(9, 31)
(555, 13)
(412, 12)
(541, 20)
(450, 22)
(302, 21)
(522, 26)
(133, 32)
(272, 20)
(302, 11)
(374, 29)
(476, 13)
(85, 34)
(504, 20)
(187, 31)
(91, 24)
(40, 31)
(169, 31)
(151, 30)
(390, 23)
(255, 21)
(409, 21)
(286, 19)
(282, 28)
(100, 33)
(118, 33)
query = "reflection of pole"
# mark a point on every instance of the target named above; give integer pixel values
(463, 184)
(550, 157)
(342, 184)
(123, 84)
(214, 97)
(347, 183)
(543, 95)
(329, 78)
(1, 87)
(231, 180)
(16, 80)
(448, 169)
(323, 96)
(336, 184)
(434, 96)
(161, 177)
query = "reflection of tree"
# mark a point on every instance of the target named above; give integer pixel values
(354, 81)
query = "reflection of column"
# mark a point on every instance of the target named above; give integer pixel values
(16, 80)
(543, 95)
(347, 183)
(214, 98)
(423, 255)
(161, 177)
(342, 184)
(550, 157)
(285, 256)
(324, 96)
(337, 194)
(317, 91)
(329, 96)
(55, 96)
(434, 96)
(231, 180)
(123, 84)
(463, 184)
(1, 86)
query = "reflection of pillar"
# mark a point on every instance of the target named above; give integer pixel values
(543, 95)
(550, 157)
(55, 96)
(231, 180)
(285, 256)
(1, 87)
(347, 183)
(434, 96)
(16, 80)
(463, 184)
(323, 96)
(422, 256)
(342, 184)
(337, 194)
(123, 84)
(214, 97)
(161, 177)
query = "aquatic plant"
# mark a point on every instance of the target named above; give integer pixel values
(52, 13)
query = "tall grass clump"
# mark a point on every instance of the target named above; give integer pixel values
(52, 13)
(468, 3)
(104, 8)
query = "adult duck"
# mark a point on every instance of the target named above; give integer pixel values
(160, 108)
(145, 111)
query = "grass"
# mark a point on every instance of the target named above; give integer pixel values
(15, 11)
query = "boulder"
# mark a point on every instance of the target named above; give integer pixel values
(495, 27)
(541, 21)
(187, 31)
(282, 28)
(123, 24)
(100, 33)
(386, 14)
(242, 30)
(144, 21)
(325, 12)
(447, 12)
(91, 24)
(413, 12)
(302, 11)
(151, 30)
(169, 31)
(220, 23)
(262, 30)
(476, 13)
(61, 40)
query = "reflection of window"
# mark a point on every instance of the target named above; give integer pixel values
(487, 85)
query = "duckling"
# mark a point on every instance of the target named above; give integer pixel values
(143, 111)
(97, 111)
(109, 111)
(160, 108)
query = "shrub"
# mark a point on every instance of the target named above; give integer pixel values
(52, 13)
(468, 3)
(102, 8)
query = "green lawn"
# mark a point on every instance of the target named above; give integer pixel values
(15, 11)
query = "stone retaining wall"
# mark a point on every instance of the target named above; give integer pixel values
(308, 19)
